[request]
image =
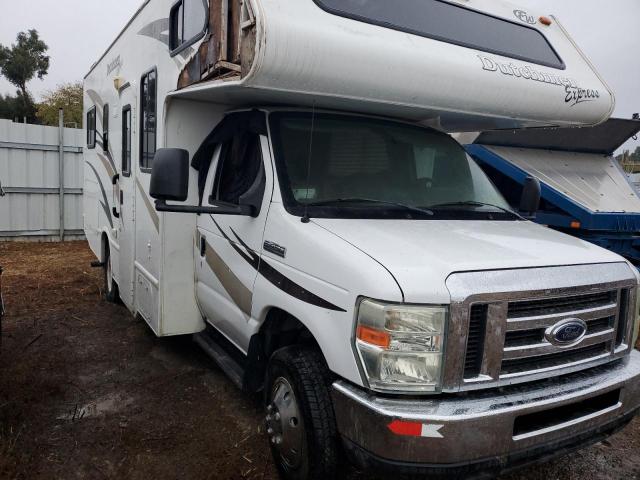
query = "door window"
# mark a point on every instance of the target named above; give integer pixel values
(148, 120)
(126, 140)
(105, 128)
(91, 127)
(239, 166)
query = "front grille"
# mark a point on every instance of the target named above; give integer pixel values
(624, 309)
(552, 360)
(475, 341)
(518, 338)
(527, 349)
(530, 308)
(507, 327)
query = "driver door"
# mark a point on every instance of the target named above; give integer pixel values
(228, 247)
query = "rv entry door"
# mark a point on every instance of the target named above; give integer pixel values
(124, 204)
(228, 247)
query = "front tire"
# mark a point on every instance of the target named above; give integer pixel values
(299, 415)
(111, 293)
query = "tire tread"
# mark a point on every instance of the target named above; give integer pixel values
(313, 380)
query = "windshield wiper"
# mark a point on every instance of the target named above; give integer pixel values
(411, 208)
(473, 203)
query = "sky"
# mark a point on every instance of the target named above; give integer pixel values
(79, 31)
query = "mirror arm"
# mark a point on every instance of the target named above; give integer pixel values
(162, 206)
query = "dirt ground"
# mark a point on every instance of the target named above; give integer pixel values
(87, 391)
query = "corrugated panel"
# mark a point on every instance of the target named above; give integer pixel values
(591, 180)
(29, 160)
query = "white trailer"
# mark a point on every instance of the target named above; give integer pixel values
(328, 243)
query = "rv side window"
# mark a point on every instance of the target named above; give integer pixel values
(91, 127)
(105, 128)
(126, 140)
(148, 119)
(187, 23)
(238, 167)
(447, 22)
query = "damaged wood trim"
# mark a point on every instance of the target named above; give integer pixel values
(228, 50)
(229, 66)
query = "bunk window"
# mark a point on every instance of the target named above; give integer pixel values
(105, 128)
(148, 119)
(187, 23)
(126, 140)
(446, 22)
(91, 127)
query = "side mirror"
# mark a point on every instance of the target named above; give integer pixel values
(170, 175)
(170, 182)
(530, 200)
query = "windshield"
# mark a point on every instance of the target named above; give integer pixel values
(354, 167)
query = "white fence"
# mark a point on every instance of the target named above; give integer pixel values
(30, 172)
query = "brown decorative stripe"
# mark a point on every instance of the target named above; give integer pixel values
(107, 165)
(275, 277)
(240, 294)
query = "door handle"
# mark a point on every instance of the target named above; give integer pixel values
(115, 178)
(115, 212)
(203, 245)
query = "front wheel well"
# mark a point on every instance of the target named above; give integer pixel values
(280, 329)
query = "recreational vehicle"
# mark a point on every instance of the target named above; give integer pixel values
(275, 178)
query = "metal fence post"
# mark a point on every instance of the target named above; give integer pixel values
(61, 169)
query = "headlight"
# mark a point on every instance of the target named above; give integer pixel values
(400, 346)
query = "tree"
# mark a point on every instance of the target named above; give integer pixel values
(24, 60)
(68, 97)
(16, 107)
(630, 161)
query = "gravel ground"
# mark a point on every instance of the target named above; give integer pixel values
(87, 391)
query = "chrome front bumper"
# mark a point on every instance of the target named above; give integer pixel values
(494, 427)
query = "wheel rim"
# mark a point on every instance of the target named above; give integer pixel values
(109, 275)
(284, 423)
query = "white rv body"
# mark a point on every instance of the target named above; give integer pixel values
(136, 239)
(184, 272)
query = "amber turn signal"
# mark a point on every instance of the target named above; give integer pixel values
(373, 336)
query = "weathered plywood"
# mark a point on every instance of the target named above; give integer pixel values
(228, 49)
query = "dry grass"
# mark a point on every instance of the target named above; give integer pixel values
(44, 276)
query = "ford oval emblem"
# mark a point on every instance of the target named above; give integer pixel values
(566, 332)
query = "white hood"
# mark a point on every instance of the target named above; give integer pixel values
(422, 254)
